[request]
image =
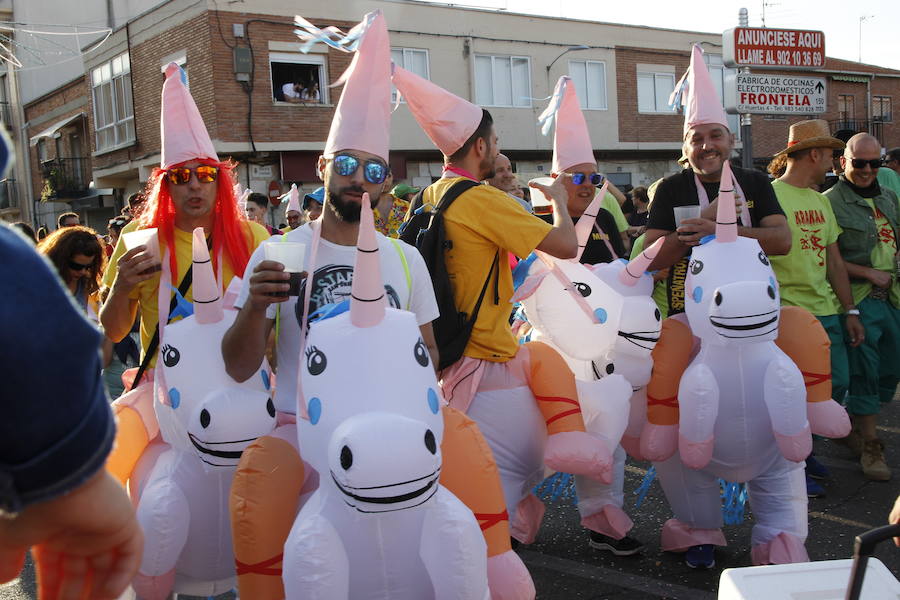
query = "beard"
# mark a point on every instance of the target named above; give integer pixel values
(488, 168)
(345, 210)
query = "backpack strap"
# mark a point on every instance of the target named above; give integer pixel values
(406, 272)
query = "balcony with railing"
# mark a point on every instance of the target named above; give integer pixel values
(873, 126)
(6, 115)
(64, 178)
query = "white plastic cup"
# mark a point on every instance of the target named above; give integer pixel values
(539, 202)
(144, 237)
(683, 213)
(292, 255)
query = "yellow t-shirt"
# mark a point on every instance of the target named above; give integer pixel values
(147, 291)
(610, 203)
(481, 222)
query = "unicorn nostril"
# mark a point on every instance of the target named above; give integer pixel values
(346, 458)
(718, 298)
(771, 291)
(270, 408)
(205, 418)
(430, 442)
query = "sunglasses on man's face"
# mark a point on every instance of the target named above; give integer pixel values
(77, 266)
(182, 175)
(860, 163)
(374, 171)
(579, 178)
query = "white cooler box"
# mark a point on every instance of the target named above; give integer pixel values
(823, 580)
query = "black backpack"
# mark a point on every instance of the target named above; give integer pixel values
(425, 230)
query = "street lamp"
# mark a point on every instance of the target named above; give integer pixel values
(861, 19)
(569, 49)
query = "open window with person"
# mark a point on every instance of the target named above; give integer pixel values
(298, 78)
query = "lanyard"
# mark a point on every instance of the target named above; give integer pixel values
(459, 172)
(739, 194)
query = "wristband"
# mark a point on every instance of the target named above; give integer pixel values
(853, 311)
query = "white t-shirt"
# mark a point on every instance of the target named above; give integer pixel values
(289, 91)
(332, 281)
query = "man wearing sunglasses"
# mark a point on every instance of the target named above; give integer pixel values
(707, 144)
(869, 218)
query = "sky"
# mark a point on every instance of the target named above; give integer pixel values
(839, 20)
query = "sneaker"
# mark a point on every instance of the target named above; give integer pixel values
(813, 489)
(872, 461)
(815, 469)
(701, 557)
(626, 546)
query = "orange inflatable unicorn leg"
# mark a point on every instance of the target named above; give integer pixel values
(136, 427)
(469, 471)
(569, 448)
(264, 500)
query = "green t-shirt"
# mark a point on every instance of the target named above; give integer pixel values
(802, 272)
(660, 295)
(888, 178)
(882, 256)
(612, 205)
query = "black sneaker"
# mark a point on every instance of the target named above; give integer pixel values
(626, 546)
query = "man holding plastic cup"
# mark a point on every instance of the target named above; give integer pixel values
(708, 143)
(192, 188)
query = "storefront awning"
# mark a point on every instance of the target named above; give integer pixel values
(51, 131)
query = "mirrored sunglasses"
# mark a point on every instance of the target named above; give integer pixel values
(579, 178)
(182, 175)
(374, 171)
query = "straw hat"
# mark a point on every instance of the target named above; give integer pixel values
(810, 134)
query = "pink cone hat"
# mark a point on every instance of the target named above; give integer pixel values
(726, 215)
(205, 290)
(184, 136)
(699, 97)
(293, 199)
(636, 267)
(362, 119)
(571, 141)
(367, 299)
(585, 224)
(447, 119)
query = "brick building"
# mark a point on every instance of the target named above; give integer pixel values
(238, 57)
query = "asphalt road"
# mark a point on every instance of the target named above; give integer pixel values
(565, 568)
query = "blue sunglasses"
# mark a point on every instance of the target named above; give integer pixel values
(578, 178)
(374, 171)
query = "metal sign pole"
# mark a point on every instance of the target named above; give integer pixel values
(746, 130)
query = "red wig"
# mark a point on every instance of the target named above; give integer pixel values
(230, 234)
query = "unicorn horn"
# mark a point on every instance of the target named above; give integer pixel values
(635, 268)
(207, 300)
(586, 221)
(726, 217)
(367, 301)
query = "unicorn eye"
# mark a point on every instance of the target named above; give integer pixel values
(421, 353)
(696, 266)
(763, 258)
(582, 288)
(170, 355)
(315, 361)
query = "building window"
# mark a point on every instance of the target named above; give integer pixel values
(503, 81)
(718, 71)
(414, 60)
(298, 78)
(654, 90)
(589, 77)
(5, 111)
(881, 108)
(846, 107)
(113, 106)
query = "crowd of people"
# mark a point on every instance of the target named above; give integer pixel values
(833, 254)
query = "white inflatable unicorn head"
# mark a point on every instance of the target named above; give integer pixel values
(732, 295)
(641, 322)
(200, 408)
(371, 413)
(569, 305)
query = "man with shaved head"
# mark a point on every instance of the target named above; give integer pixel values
(504, 179)
(869, 218)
